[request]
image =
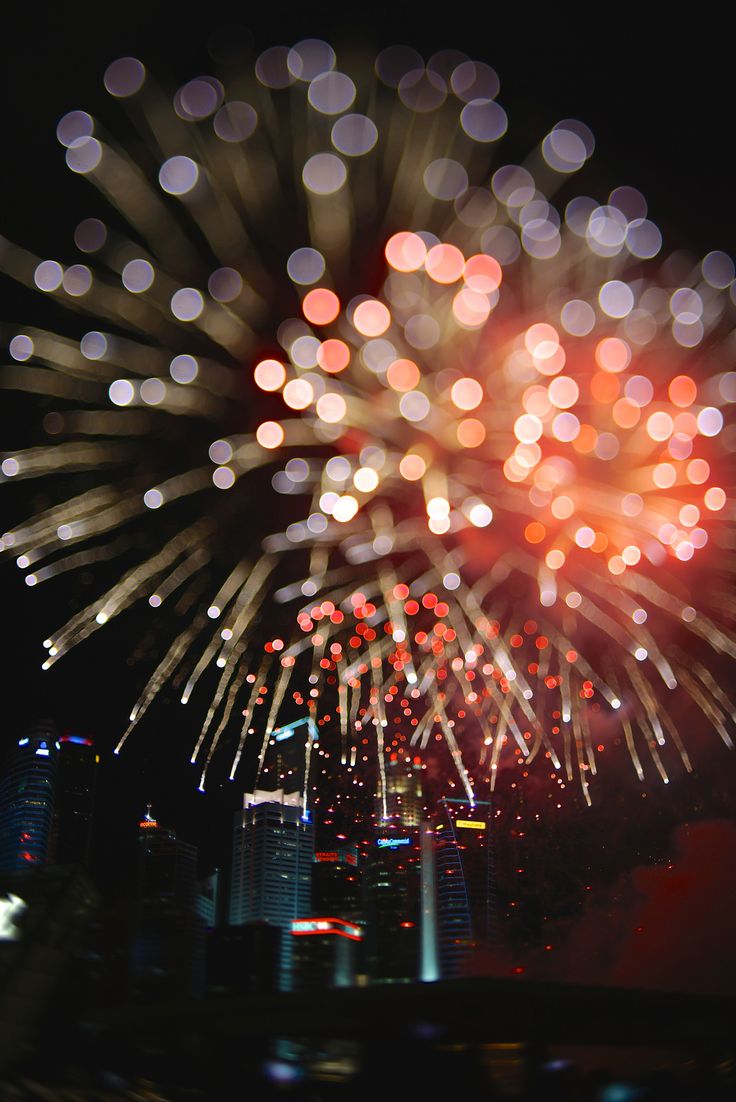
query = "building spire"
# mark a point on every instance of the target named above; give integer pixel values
(148, 822)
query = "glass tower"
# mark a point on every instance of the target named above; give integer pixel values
(75, 795)
(466, 904)
(27, 791)
(273, 850)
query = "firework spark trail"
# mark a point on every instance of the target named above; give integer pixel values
(276, 702)
(163, 672)
(526, 398)
(248, 715)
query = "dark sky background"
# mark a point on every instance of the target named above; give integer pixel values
(659, 99)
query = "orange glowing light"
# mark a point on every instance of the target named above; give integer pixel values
(542, 341)
(625, 413)
(333, 356)
(403, 375)
(470, 432)
(604, 387)
(698, 471)
(321, 306)
(682, 391)
(483, 274)
(586, 440)
(405, 251)
(444, 263)
(412, 467)
(470, 308)
(612, 354)
(535, 532)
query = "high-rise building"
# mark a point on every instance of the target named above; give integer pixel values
(324, 952)
(27, 792)
(337, 882)
(464, 855)
(169, 940)
(392, 889)
(273, 850)
(327, 942)
(71, 841)
(404, 800)
(206, 899)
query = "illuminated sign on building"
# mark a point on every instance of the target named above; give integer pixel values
(470, 824)
(148, 824)
(392, 843)
(336, 856)
(301, 927)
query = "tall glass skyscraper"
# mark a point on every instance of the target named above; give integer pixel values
(466, 904)
(392, 882)
(74, 805)
(404, 800)
(27, 791)
(273, 850)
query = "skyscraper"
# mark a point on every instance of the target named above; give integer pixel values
(169, 937)
(27, 791)
(404, 801)
(337, 882)
(273, 849)
(206, 902)
(465, 883)
(75, 793)
(393, 907)
(324, 952)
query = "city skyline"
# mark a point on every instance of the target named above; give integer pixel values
(544, 889)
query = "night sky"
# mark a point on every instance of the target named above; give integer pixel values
(659, 101)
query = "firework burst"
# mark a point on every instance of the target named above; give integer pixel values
(506, 418)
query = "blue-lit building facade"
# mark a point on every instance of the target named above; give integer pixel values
(273, 852)
(27, 793)
(465, 877)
